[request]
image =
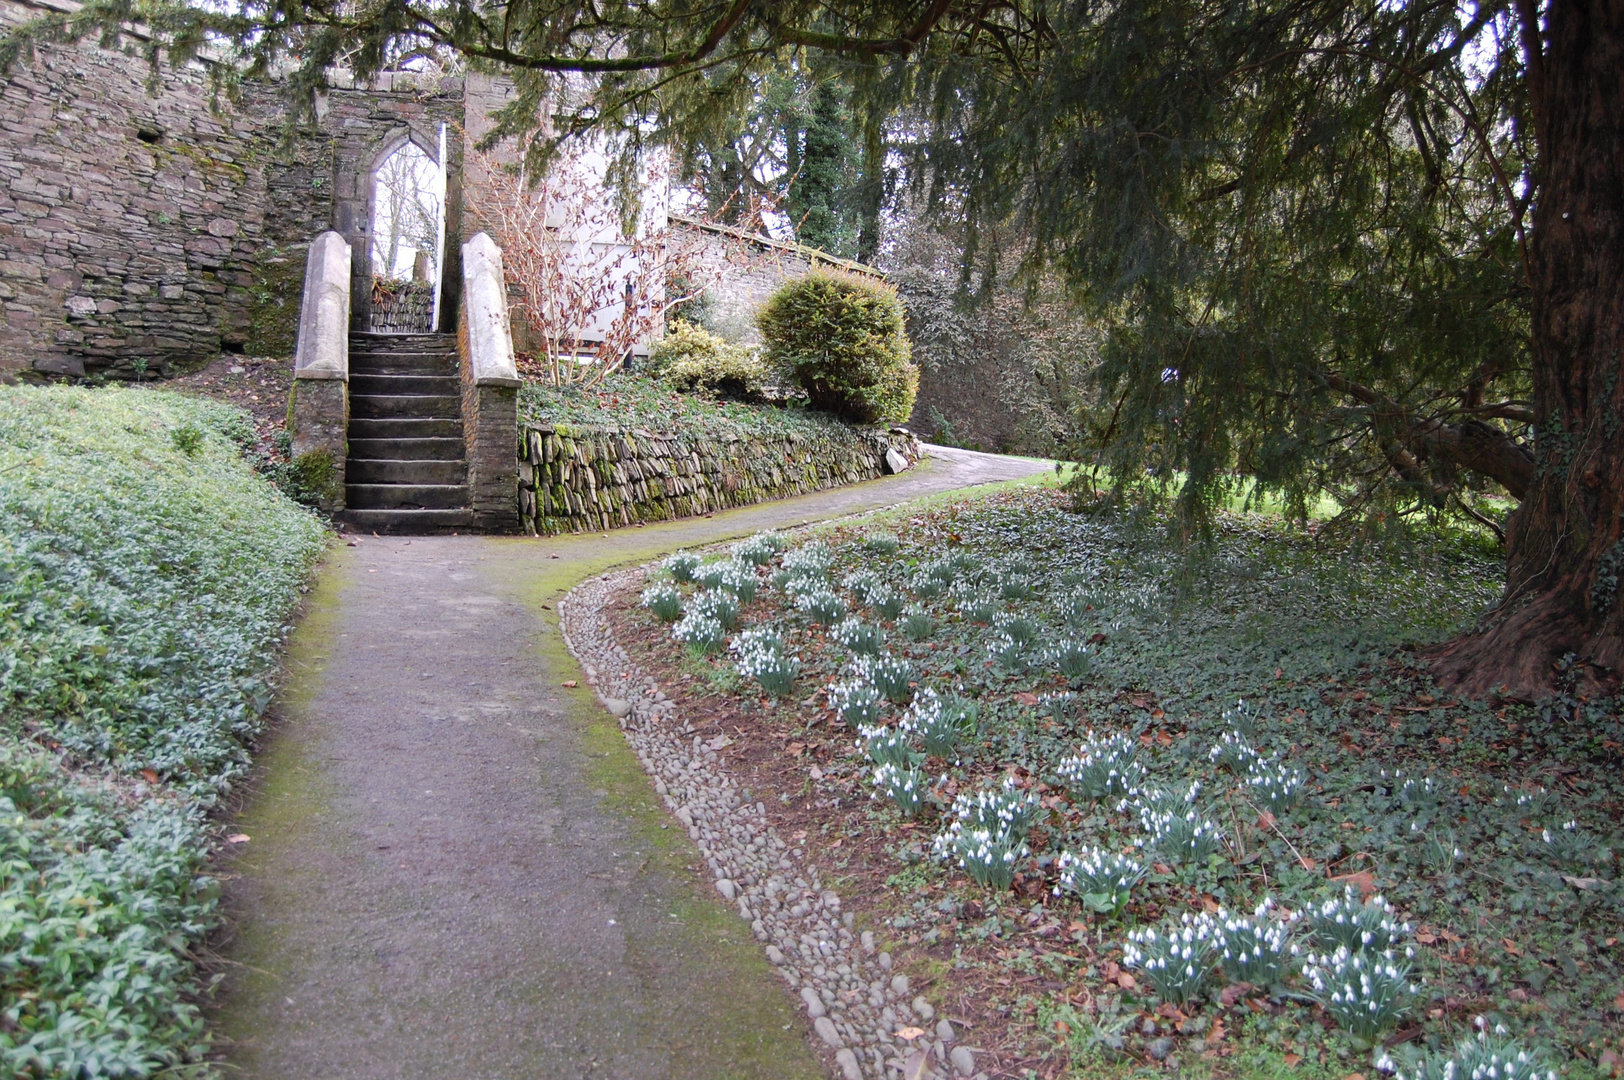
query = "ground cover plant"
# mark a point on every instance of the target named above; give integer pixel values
(147, 575)
(1246, 836)
(634, 401)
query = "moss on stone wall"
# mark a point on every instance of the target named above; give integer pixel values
(273, 308)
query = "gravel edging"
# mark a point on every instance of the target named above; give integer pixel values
(855, 1003)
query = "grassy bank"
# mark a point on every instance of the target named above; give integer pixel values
(147, 576)
(633, 401)
(1169, 744)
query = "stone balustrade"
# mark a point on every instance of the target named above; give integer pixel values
(490, 386)
(319, 413)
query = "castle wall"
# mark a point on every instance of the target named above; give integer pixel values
(146, 226)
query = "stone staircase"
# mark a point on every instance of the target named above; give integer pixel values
(407, 467)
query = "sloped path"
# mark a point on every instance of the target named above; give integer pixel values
(456, 867)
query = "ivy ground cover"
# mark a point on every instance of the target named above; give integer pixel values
(1125, 815)
(637, 401)
(147, 576)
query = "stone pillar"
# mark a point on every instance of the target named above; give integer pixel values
(490, 388)
(319, 412)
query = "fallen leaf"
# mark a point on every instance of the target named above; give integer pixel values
(1215, 1034)
(1097, 639)
(1293, 1060)
(149, 776)
(796, 749)
(917, 1066)
(1618, 1003)
(719, 742)
(1157, 714)
(1026, 697)
(1163, 868)
(909, 1033)
(1583, 882)
(1062, 1028)
(1210, 904)
(1364, 880)
(1511, 946)
(1234, 992)
(1126, 981)
(1164, 738)
(1425, 937)
(569, 684)
(237, 838)
(1354, 1076)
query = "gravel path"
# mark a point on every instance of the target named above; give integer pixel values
(456, 865)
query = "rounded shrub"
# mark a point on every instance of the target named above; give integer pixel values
(691, 358)
(840, 338)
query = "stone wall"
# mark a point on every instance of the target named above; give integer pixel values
(590, 480)
(144, 233)
(754, 267)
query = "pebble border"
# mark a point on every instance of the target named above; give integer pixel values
(855, 1003)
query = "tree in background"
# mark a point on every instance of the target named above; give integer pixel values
(1369, 248)
(592, 286)
(800, 149)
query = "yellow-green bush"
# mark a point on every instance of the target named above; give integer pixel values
(691, 358)
(840, 338)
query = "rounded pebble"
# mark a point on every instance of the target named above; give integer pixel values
(964, 1062)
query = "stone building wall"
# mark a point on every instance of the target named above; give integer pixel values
(143, 233)
(754, 267)
(586, 480)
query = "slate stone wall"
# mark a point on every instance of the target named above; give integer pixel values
(590, 480)
(144, 233)
(753, 268)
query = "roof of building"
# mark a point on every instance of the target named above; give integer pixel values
(810, 254)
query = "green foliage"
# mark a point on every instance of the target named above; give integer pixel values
(1288, 641)
(840, 338)
(146, 576)
(635, 401)
(690, 358)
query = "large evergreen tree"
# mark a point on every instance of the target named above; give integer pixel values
(1372, 246)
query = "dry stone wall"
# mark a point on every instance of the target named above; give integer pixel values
(144, 231)
(587, 480)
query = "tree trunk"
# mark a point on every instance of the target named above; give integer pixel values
(1564, 555)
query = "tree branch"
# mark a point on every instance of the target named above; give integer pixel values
(1471, 445)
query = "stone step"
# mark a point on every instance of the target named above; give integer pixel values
(406, 406)
(402, 342)
(407, 449)
(371, 384)
(416, 473)
(441, 364)
(394, 427)
(407, 522)
(405, 496)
